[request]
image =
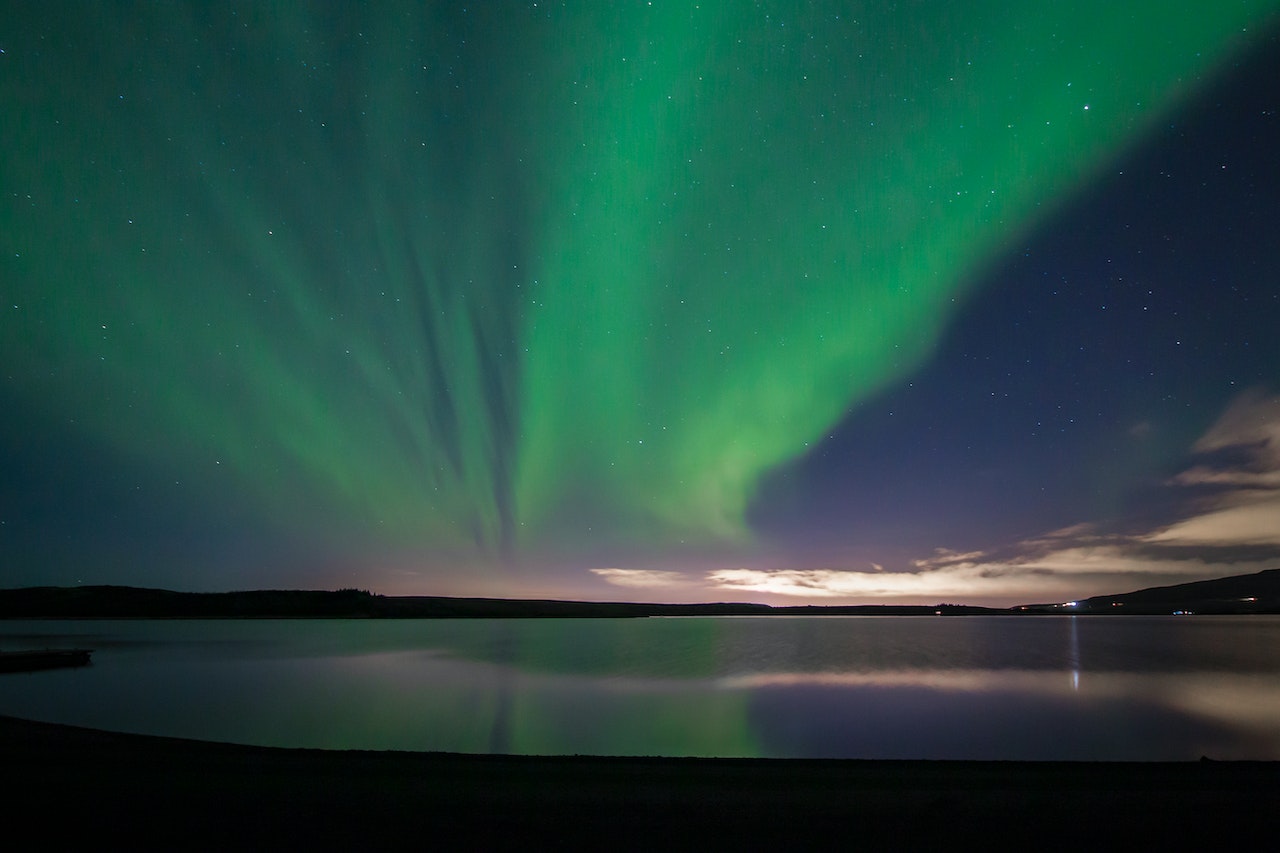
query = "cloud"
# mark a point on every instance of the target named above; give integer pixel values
(1202, 475)
(945, 558)
(1235, 529)
(1248, 518)
(1075, 532)
(1023, 578)
(1237, 481)
(1253, 421)
(848, 584)
(1247, 436)
(1244, 508)
(642, 578)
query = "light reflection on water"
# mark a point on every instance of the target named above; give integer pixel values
(1077, 688)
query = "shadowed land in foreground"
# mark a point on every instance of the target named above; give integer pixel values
(84, 784)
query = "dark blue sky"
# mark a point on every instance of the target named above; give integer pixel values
(1086, 362)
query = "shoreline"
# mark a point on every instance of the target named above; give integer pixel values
(1253, 594)
(173, 792)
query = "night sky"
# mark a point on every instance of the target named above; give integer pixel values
(786, 302)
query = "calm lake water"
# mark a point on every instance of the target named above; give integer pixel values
(1070, 688)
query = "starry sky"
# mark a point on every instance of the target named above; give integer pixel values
(833, 302)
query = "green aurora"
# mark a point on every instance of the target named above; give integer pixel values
(510, 283)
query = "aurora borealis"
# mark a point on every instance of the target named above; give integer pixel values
(662, 300)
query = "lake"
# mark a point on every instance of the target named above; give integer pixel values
(1021, 688)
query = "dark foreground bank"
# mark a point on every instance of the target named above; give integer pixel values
(74, 785)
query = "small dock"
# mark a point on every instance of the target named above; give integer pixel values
(30, 661)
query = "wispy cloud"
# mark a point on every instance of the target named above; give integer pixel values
(1251, 421)
(946, 558)
(1244, 508)
(923, 587)
(1023, 578)
(642, 578)
(1246, 518)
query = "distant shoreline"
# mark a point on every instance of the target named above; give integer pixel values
(132, 602)
(1237, 595)
(168, 791)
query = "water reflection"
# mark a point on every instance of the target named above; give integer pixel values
(1014, 714)
(1073, 653)
(1108, 688)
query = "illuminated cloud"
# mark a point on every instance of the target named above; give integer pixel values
(1245, 510)
(961, 580)
(1249, 434)
(1082, 560)
(1243, 469)
(642, 578)
(945, 557)
(1252, 421)
(1022, 578)
(1076, 533)
(1249, 518)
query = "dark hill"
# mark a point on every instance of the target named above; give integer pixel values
(1238, 594)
